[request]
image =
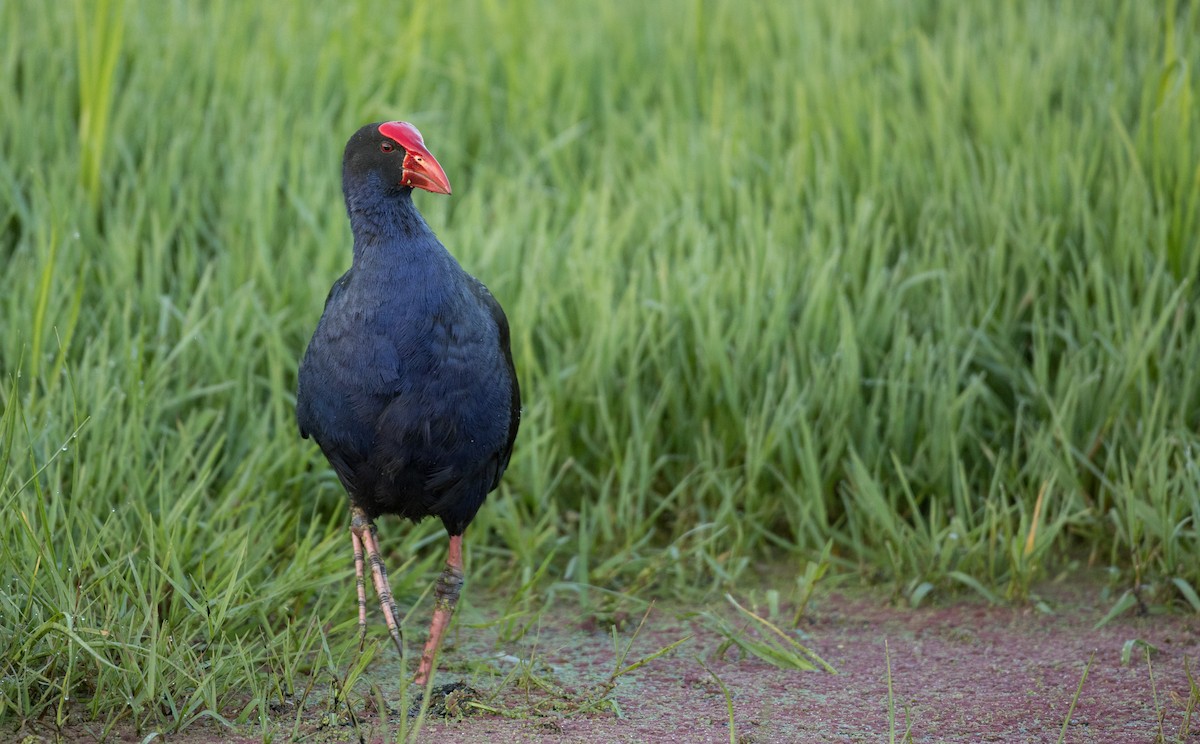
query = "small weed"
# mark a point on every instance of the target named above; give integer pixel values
(733, 735)
(600, 695)
(806, 583)
(1193, 701)
(906, 738)
(770, 644)
(1062, 734)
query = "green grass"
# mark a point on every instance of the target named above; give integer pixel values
(915, 279)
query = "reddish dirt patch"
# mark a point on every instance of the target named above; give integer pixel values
(961, 673)
(964, 672)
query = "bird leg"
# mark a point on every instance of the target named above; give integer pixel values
(445, 594)
(364, 535)
(361, 586)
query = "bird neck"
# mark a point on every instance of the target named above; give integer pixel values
(385, 221)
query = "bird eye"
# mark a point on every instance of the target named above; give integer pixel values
(386, 146)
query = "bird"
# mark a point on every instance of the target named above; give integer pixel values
(407, 385)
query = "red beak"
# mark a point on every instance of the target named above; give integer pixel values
(421, 169)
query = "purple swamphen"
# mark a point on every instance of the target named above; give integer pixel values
(408, 383)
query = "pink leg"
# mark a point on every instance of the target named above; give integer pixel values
(445, 597)
(360, 585)
(363, 531)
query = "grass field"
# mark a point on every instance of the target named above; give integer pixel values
(909, 285)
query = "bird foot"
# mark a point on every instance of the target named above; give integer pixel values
(445, 701)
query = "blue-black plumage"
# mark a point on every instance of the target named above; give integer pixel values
(408, 383)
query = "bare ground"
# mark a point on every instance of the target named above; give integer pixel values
(966, 672)
(963, 672)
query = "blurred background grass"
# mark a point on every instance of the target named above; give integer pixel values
(910, 285)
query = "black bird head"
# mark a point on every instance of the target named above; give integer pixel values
(391, 156)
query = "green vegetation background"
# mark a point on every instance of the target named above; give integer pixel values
(911, 285)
